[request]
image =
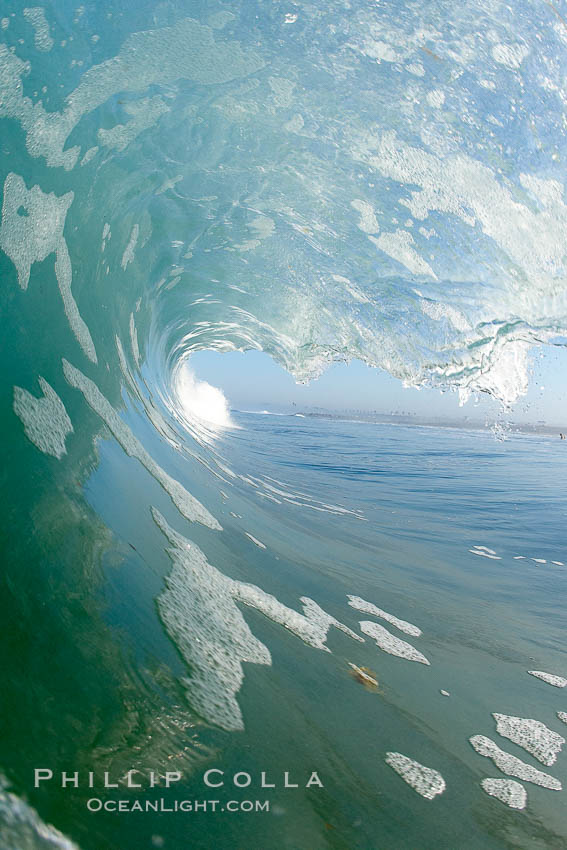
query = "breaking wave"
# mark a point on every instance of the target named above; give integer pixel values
(340, 181)
(391, 191)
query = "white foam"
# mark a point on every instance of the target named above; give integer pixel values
(144, 114)
(368, 222)
(508, 791)
(89, 154)
(170, 184)
(510, 55)
(282, 91)
(31, 238)
(45, 420)
(201, 617)
(323, 621)
(485, 554)
(539, 560)
(369, 608)
(255, 540)
(558, 563)
(485, 549)
(21, 828)
(549, 678)
(200, 402)
(64, 274)
(262, 228)
(200, 613)
(134, 340)
(311, 627)
(130, 249)
(416, 68)
(302, 500)
(535, 737)
(269, 497)
(42, 37)
(390, 644)
(399, 246)
(295, 124)
(187, 504)
(562, 715)
(436, 98)
(225, 469)
(426, 781)
(381, 51)
(513, 766)
(159, 56)
(439, 311)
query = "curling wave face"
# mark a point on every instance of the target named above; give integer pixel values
(338, 181)
(327, 185)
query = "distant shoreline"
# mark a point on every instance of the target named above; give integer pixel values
(418, 421)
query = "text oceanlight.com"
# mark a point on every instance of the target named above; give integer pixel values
(95, 804)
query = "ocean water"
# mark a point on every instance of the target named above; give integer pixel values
(412, 503)
(187, 588)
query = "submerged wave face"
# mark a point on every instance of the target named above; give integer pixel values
(336, 181)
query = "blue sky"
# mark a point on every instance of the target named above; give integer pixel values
(253, 381)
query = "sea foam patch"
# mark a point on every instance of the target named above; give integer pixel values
(484, 552)
(32, 224)
(144, 113)
(426, 781)
(311, 627)
(134, 340)
(549, 678)
(255, 540)
(512, 793)
(32, 229)
(158, 56)
(511, 765)
(42, 37)
(535, 737)
(391, 644)
(45, 420)
(199, 611)
(369, 608)
(22, 828)
(130, 248)
(200, 615)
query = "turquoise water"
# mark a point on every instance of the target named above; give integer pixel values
(322, 182)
